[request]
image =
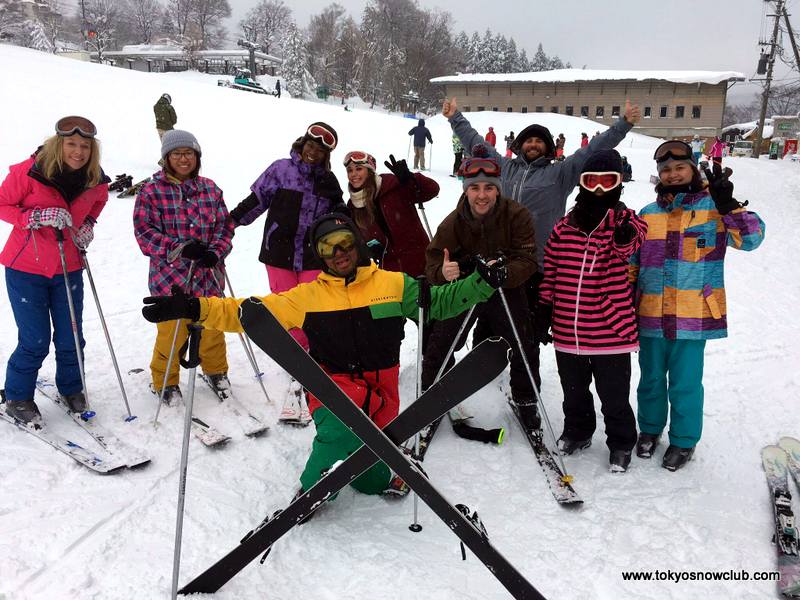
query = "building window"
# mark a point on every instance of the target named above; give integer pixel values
(679, 112)
(615, 112)
(662, 112)
(466, 109)
(524, 109)
(696, 111)
(494, 109)
(510, 109)
(540, 109)
(585, 111)
(569, 110)
(599, 111)
(554, 109)
(648, 112)
(480, 108)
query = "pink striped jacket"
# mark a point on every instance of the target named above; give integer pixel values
(586, 281)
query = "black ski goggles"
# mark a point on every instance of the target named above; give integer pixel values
(75, 124)
(675, 150)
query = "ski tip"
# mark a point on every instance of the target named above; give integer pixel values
(87, 415)
(130, 418)
(501, 436)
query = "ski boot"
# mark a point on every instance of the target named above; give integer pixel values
(567, 446)
(529, 414)
(221, 385)
(619, 460)
(24, 411)
(675, 458)
(172, 394)
(75, 402)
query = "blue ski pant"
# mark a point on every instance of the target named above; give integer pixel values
(671, 382)
(37, 300)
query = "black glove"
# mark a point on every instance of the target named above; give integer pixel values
(542, 320)
(169, 308)
(194, 250)
(244, 207)
(399, 168)
(624, 232)
(208, 260)
(721, 189)
(495, 274)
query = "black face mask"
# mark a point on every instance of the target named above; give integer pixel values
(590, 209)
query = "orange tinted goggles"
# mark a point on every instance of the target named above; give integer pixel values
(605, 181)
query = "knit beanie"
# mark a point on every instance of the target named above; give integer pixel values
(333, 222)
(307, 137)
(604, 161)
(479, 154)
(177, 138)
(539, 131)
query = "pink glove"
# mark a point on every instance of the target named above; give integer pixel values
(85, 234)
(58, 218)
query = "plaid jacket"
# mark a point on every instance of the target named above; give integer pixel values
(168, 214)
(679, 267)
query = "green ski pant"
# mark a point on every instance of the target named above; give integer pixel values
(335, 442)
(671, 380)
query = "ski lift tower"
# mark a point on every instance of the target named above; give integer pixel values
(251, 47)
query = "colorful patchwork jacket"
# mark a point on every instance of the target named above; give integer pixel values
(679, 268)
(167, 215)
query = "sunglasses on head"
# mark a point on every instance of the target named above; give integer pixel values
(675, 150)
(359, 157)
(606, 180)
(322, 135)
(74, 124)
(343, 239)
(471, 167)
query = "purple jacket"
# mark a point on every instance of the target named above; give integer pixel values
(294, 194)
(167, 214)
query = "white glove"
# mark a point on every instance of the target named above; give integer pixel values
(58, 218)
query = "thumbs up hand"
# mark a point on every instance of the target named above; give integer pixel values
(450, 270)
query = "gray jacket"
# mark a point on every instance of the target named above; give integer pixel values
(542, 186)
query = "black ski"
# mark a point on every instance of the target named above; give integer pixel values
(267, 333)
(477, 369)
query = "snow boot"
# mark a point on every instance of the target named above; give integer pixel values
(619, 460)
(529, 414)
(76, 402)
(646, 445)
(24, 411)
(675, 458)
(568, 446)
(396, 487)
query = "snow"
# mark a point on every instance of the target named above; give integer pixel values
(68, 533)
(569, 75)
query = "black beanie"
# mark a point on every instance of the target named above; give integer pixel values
(603, 161)
(539, 131)
(333, 222)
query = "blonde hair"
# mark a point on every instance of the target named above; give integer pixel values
(365, 216)
(50, 159)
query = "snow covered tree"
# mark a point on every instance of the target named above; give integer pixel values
(208, 16)
(324, 30)
(462, 58)
(102, 17)
(11, 19)
(265, 23)
(293, 70)
(179, 14)
(143, 17)
(540, 61)
(35, 36)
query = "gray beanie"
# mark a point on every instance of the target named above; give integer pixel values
(177, 138)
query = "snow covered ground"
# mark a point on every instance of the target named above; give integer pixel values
(68, 533)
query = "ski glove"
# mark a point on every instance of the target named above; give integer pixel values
(624, 232)
(194, 250)
(208, 260)
(244, 207)
(399, 168)
(721, 189)
(494, 274)
(85, 234)
(56, 217)
(168, 308)
(542, 321)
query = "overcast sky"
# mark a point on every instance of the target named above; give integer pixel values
(610, 34)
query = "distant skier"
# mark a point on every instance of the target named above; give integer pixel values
(717, 150)
(697, 148)
(354, 314)
(458, 155)
(61, 187)
(278, 88)
(681, 295)
(560, 142)
(420, 133)
(584, 140)
(165, 115)
(491, 137)
(627, 170)
(509, 139)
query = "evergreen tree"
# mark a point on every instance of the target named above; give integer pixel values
(36, 37)
(540, 61)
(293, 70)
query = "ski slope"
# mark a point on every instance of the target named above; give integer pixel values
(68, 533)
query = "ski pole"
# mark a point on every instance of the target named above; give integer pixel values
(423, 302)
(248, 348)
(533, 381)
(195, 330)
(105, 331)
(421, 208)
(72, 316)
(430, 158)
(408, 152)
(172, 352)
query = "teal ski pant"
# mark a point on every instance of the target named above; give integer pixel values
(335, 442)
(671, 382)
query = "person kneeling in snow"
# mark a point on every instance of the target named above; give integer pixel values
(353, 314)
(680, 295)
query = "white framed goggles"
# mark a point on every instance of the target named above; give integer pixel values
(605, 180)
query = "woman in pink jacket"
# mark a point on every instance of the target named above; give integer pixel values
(61, 187)
(716, 150)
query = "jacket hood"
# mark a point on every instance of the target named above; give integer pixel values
(421, 122)
(343, 222)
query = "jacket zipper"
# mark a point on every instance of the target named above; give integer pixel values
(580, 279)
